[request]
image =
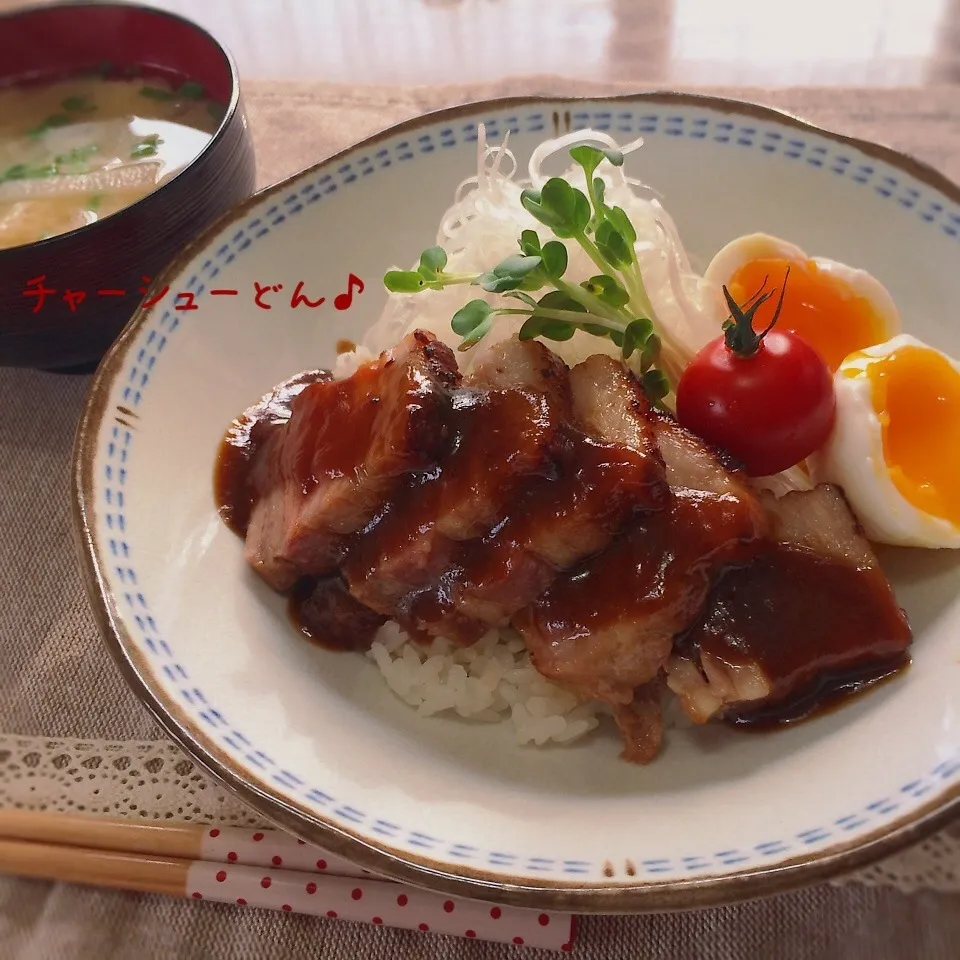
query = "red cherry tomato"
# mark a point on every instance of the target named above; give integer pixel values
(770, 409)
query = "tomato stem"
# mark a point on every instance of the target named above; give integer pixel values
(738, 332)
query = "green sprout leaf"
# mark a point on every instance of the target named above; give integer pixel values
(613, 245)
(558, 330)
(560, 198)
(588, 157)
(651, 352)
(554, 257)
(510, 274)
(471, 316)
(558, 300)
(530, 243)
(473, 322)
(599, 192)
(656, 385)
(542, 324)
(559, 206)
(614, 156)
(524, 297)
(479, 332)
(537, 326)
(432, 262)
(636, 336)
(608, 289)
(403, 281)
(597, 329)
(618, 217)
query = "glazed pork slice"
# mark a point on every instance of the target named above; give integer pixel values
(240, 472)
(810, 613)
(346, 448)
(510, 424)
(606, 629)
(613, 471)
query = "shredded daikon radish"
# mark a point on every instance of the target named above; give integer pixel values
(485, 220)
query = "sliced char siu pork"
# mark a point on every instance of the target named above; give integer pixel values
(606, 629)
(345, 448)
(241, 469)
(811, 614)
(509, 423)
(612, 472)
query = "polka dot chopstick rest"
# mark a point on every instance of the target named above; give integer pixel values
(377, 901)
(253, 868)
(267, 868)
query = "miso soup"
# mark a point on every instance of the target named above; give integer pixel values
(75, 151)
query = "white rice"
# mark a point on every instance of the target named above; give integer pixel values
(492, 680)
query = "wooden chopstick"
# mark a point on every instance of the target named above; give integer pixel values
(106, 833)
(179, 840)
(101, 868)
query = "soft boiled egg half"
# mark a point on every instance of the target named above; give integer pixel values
(835, 308)
(895, 446)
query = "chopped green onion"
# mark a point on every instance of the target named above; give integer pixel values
(77, 105)
(55, 120)
(156, 93)
(21, 171)
(191, 90)
(76, 155)
(143, 150)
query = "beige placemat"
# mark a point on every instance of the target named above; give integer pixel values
(57, 681)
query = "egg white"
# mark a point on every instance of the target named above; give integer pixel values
(762, 246)
(853, 458)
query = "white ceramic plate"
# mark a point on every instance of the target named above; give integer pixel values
(314, 739)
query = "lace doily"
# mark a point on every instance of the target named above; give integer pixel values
(154, 780)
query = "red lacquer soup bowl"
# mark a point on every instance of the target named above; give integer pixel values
(67, 291)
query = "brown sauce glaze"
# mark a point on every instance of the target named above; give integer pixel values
(828, 693)
(233, 494)
(817, 629)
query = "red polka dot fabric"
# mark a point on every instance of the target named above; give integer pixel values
(272, 848)
(361, 898)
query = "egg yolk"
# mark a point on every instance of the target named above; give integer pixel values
(916, 394)
(820, 308)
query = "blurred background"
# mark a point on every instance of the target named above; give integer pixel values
(875, 43)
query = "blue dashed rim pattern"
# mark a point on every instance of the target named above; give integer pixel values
(109, 449)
